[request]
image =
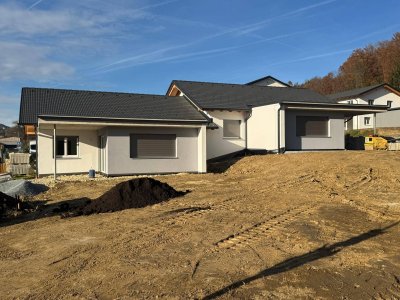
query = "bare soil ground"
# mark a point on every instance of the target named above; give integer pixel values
(303, 226)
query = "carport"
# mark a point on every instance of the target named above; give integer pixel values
(319, 126)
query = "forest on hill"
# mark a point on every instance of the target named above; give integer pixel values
(373, 64)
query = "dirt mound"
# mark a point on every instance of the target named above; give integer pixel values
(10, 206)
(7, 203)
(133, 193)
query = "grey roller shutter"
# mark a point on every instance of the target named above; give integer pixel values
(232, 128)
(312, 126)
(153, 145)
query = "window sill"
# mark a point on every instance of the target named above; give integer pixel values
(154, 157)
(231, 138)
(315, 137)
(68, 157)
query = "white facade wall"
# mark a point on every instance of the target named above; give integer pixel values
(381, 96)
(87, 152)
(217, 145)
(191, 151)
(262, 128)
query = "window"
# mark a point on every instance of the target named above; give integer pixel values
(153, 146)
(389, 104)
(350, 102)
(312, 126)
(67, 145)
(231, 128)
(367, 120)
(370, 102)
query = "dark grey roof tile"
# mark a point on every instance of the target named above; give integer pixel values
(108, 105)
(208, 95)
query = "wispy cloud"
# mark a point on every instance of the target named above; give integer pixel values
(312, 57)
(145, 59)
(161, 55)
(34, 4)
(15, 20)
(242, 30)
(21, 61)
(371, 34)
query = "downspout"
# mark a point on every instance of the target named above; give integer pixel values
(374, 123)
(37, 153)
(54, 152)
(250, 112)
(279, 128)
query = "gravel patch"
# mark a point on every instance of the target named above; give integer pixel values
(22, 187)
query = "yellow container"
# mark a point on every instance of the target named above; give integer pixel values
(375, 143)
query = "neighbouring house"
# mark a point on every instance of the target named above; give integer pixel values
(380, 94)
(114, 133)
(11, 144)
(123, 133)
(268, 118)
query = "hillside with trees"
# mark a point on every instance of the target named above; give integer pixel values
(371, 65)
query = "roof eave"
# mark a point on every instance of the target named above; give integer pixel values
(120, 119)
(356, 108)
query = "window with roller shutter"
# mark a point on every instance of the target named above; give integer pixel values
(312, 126)
(231, 128)
(153, 146)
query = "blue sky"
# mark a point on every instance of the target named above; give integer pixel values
(141, 46)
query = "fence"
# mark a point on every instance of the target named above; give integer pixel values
(19, 163)
(394, 146)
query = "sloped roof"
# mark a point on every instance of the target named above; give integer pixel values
(350, 94)
(37, 102)
(208, 95)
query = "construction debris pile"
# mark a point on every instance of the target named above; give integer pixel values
(21, 187)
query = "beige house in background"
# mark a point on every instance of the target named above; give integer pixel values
(381, 94)
(123, 133)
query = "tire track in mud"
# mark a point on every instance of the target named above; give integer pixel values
(361, 182)
(290, 183)
(182, 216)
(179, 217)
(260, 230)
(392, 292)
(255, 233)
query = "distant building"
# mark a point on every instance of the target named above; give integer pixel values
(380, 94)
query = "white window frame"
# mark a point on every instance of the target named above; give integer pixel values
(66, 155)
(371, 102)
(232, 137)
(365, 121)
(389, 103)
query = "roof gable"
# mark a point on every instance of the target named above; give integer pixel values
(267, 81)
(36, 102)
(354, 93)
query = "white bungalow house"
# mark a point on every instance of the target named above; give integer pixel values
(380, 94)
(123, 133)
